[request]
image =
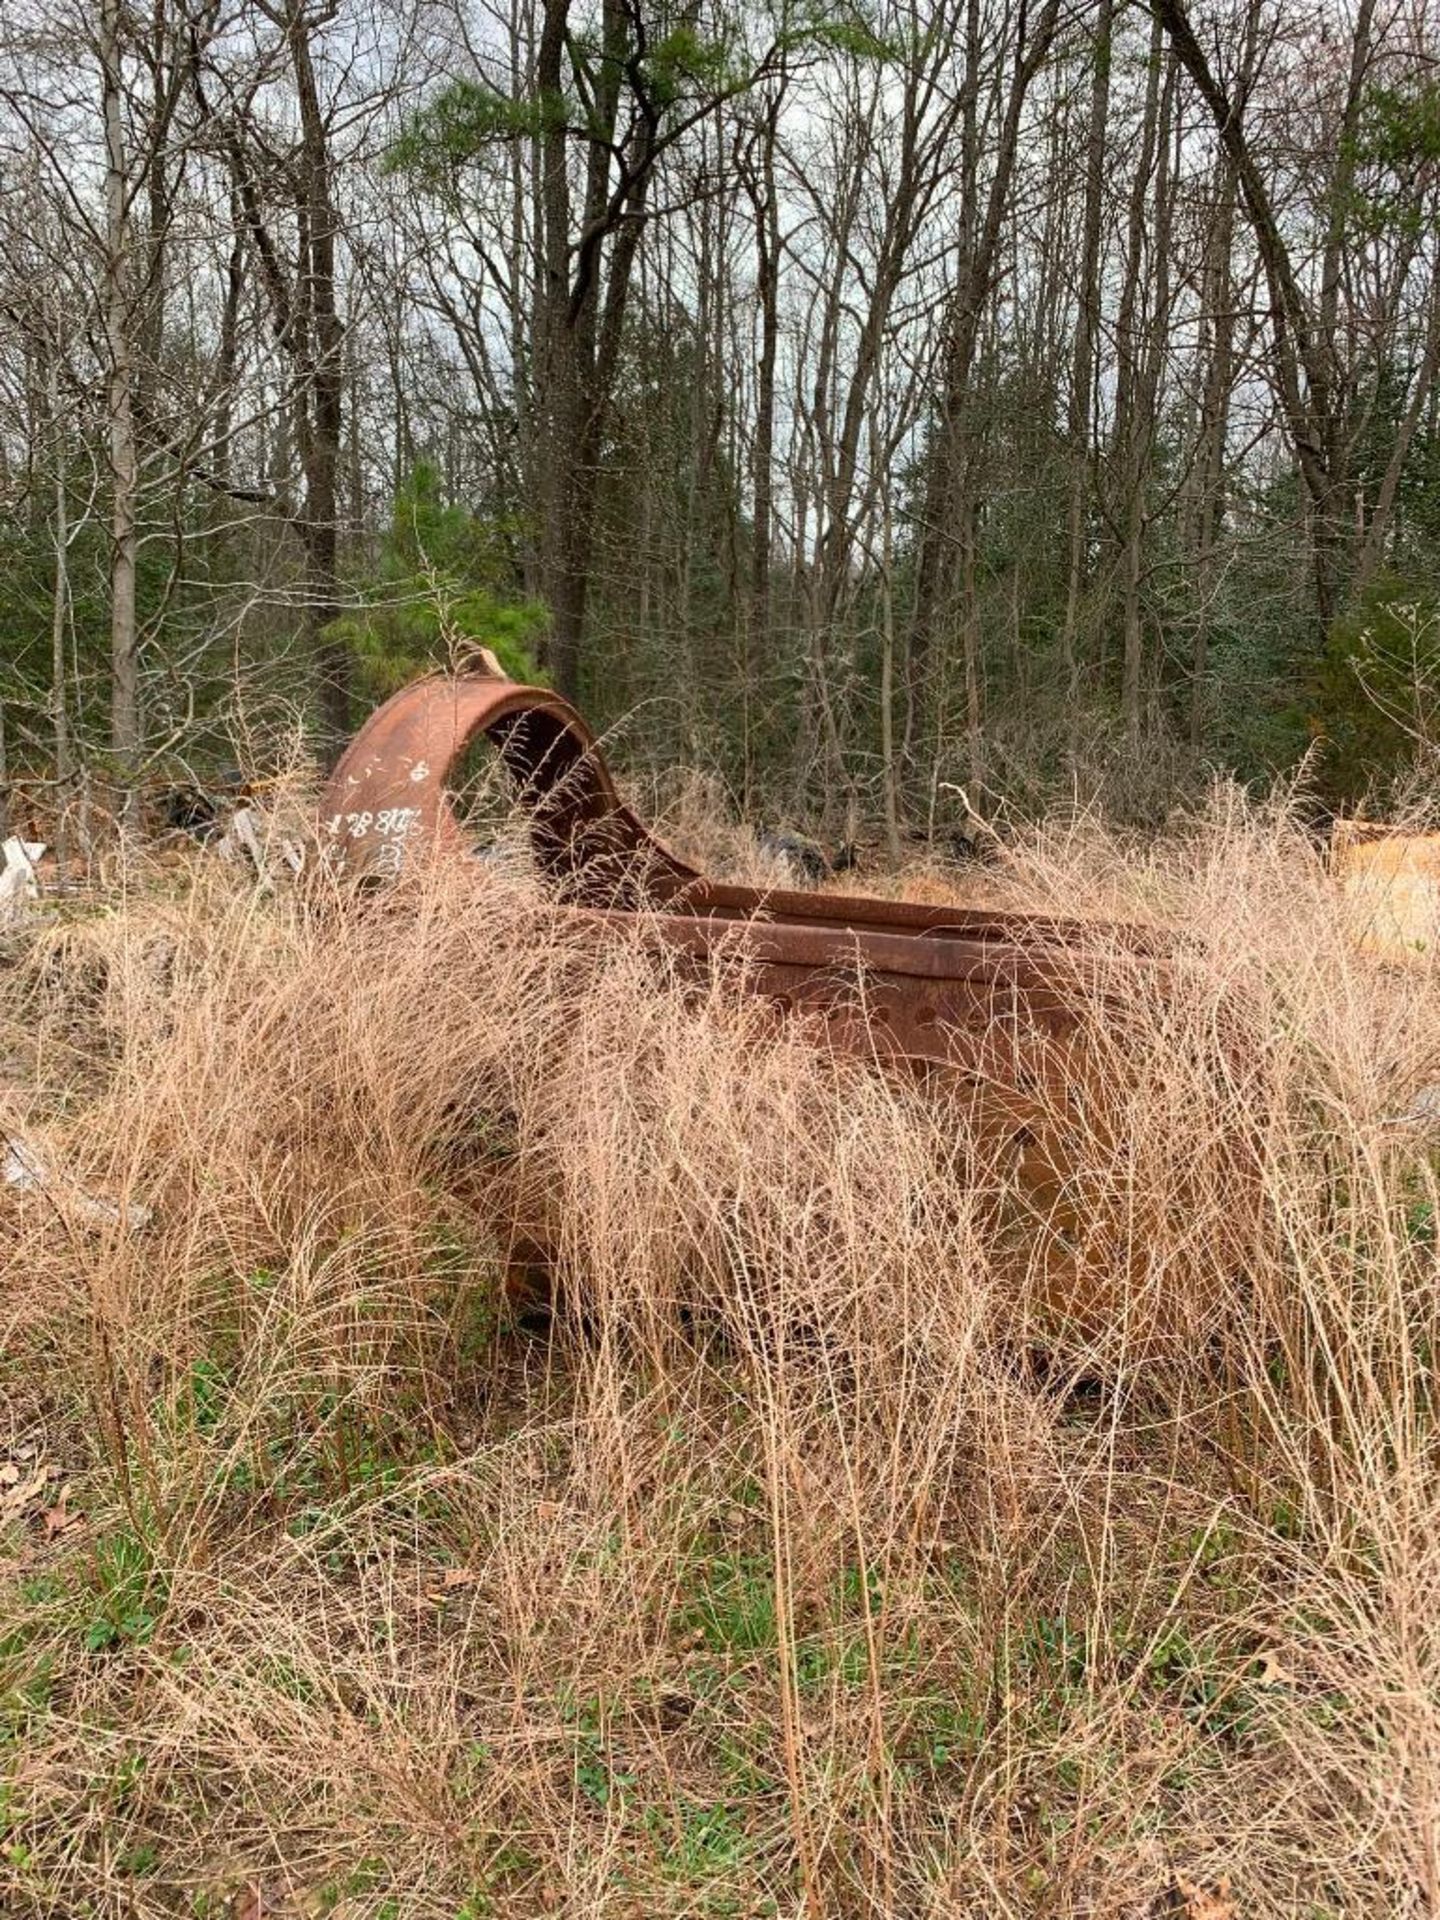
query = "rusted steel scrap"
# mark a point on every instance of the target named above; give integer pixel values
(997, 1011)
(945, 985)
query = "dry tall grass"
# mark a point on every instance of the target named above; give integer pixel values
(809, 1560)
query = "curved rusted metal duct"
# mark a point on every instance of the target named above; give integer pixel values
(1018, 1019)
(949, 985)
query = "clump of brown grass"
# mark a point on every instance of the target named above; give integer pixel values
(868, 1531)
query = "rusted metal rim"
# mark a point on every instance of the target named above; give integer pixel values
(390, 790)
(931, 968)
(390, 793)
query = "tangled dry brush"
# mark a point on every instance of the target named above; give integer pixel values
(819, 1554)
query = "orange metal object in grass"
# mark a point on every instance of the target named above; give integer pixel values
(996, 1010)
(954, 987)
(1022, 1024)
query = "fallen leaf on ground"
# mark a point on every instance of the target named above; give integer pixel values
(59, 1519)
(452, 1578)
(1198, 1902)
(1271, 1671)
(20, 1496)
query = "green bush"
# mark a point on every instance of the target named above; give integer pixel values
(439, 587)
(1376, 696)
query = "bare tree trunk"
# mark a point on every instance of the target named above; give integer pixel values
(150, 316)
(1140, 363)
(59, 622)
(970, 648)
(525, 230)
(1422, 394)
(1087, 326)
(766, 206)
(979, 243)
(557, 371)
(323, 419)
(1219, 323)
(1306, 367)
(1331, 519)
(889, 763)
(839, 397)
(125, 721)
(228, 358)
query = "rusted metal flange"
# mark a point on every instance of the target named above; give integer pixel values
(999, 1010)
(391, 789)
(930, 974)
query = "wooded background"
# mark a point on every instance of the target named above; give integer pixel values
(861, 401)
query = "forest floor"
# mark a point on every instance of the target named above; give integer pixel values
(814, 1556)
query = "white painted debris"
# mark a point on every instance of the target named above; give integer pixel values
(248, 838)
(19, 882)
(24, 1168)
(241, 839)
